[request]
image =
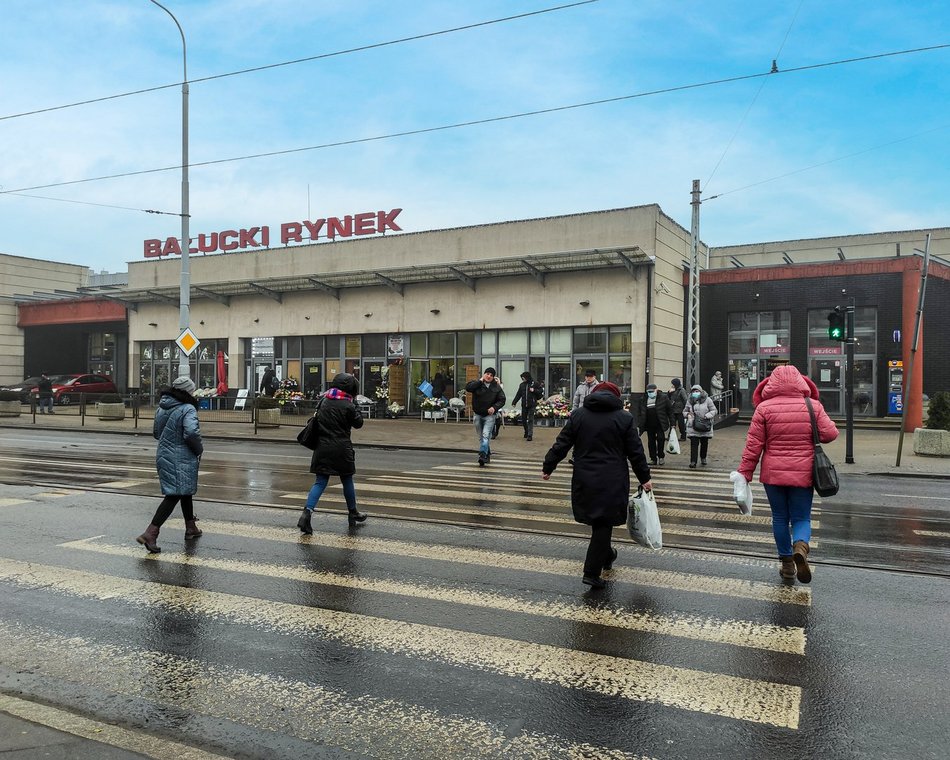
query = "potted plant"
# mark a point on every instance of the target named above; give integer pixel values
(934, 440)
(267, 410)
(9, 404)
(110, 406)
(432, 408)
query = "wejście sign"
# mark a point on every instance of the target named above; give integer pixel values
(366, 223)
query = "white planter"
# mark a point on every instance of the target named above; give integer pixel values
(268, 417)
(111, 411)
(10, 409)
(933, 443)
(434, 415)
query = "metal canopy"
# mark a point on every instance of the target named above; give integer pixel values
(538, 266)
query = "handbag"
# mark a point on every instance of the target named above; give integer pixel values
(824, 475)
(700, 424)
(309, 437)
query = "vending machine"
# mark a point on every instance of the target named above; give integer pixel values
(895, 387)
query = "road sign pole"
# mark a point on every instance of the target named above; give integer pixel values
(849, 384)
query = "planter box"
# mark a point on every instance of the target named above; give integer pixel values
(434, 415)
(934, 443)
(10, 409)
(111, 411)
(268, 417)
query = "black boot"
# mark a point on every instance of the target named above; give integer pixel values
(191, 528)
(355, 517)
(148, 539)
(304, 522)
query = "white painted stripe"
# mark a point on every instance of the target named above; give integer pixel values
(56, 493)
(357, 724)
(76, 465)
(688, 582)
(122, 483)
(912, 496)
(14, 502)
(104, 733)
(934, 533)
(637, 680)
(742, 633)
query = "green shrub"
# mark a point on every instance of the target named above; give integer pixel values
(110, 398)
(9, 396)
(939, 413)
(266, 402)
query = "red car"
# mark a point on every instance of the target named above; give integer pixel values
(66, 388)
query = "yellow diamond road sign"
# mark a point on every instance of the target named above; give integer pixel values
(187, 341)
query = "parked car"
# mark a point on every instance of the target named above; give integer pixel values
(28, 387)
(66, 388)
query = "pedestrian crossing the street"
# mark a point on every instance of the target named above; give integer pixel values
(403, 639)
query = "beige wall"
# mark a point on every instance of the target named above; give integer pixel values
(615, 296)
(23, 276)
(870, 246)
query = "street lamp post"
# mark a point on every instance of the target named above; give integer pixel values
(184, 312)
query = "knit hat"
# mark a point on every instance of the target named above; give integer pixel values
(608, 387)
(676, 382)
(490, 371)
(184, 383)
(651, 387)
(590, 373)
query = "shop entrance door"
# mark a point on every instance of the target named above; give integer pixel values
(743, 377)
(827, 375)
(312, 379)
(510, 377)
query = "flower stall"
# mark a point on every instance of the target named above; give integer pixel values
(433, 408)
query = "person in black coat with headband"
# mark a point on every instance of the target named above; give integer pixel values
(529, 392)
(604, 438)
(334, 455)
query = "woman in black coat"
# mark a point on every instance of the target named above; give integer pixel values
(604, 438)
(655, 418)
(336, 417)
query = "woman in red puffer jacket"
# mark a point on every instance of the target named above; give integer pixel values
(780, 433)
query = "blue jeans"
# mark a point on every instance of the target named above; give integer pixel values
(316, 491)
(791, 505)
(484, 424)
(46, 405)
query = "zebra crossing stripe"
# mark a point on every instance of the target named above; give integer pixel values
(14, 502)
(668, 579)
(104, 733)
(742, 633)
(933, 533)
(700, 691)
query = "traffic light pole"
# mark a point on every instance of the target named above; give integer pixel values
(849, 384)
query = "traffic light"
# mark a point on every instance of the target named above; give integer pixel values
(836, 324)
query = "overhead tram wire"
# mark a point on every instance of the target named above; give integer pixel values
(348, 51)
(493, 119)
(755, 97)
(100, 205)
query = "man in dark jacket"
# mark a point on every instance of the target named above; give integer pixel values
(487, 399)
(604, 438)
(269, 382)
(45, 388)
(529, 392)
(655, 418)
(336, 416)
(679, 398)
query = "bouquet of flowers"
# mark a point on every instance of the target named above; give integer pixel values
(543, 410)
(382, 392)
(560, 408)
(394, 410)
(432, 404)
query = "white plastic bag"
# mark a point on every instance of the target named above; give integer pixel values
(741, 493)
(673, 443)
(643, 520)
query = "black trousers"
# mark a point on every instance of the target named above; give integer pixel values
(681, 424)
(697, 443)
(527, 422)
(656, 443)
(598, 550)
(168, 504)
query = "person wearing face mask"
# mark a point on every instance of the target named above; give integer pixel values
(679, 398)
(699, 414)
(655, 418)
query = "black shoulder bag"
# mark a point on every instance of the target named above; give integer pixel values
(824, 475)
(309, 437)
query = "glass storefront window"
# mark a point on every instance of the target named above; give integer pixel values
(743, 333)
(442, 344)
(620, 372)
(374, 345)
(619, 340)
(589, 340)
(352, 345)
(292, 350)
(512, 342)
(561, 378)
(560, 340)
(466, 341)
(418, 345)
(313, 346)
(488, 342)
(333, 348)
(538, 341)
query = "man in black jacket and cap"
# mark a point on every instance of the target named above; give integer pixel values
(604, 438)
(487, 398)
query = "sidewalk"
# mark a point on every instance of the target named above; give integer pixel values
(875, 451)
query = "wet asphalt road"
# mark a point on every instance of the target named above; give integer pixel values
(423, 634)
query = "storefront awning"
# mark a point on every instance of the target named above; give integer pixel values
(538, 266)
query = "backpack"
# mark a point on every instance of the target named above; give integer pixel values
(275, 383)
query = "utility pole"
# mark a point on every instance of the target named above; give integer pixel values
(692, 323)
(849, 384)
(908, 378)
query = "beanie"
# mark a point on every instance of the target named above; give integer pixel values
(184, 383)
(608, 387)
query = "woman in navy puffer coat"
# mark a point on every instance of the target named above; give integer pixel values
(780, 433)
(176, 458)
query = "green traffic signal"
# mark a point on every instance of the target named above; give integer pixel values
(836, 324)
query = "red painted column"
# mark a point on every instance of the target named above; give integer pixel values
(913, 395)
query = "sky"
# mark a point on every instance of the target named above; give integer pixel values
(832, 150)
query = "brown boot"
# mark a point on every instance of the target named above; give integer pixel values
(787, 570)
(191, 528)
(148, 539)
(801, 561)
